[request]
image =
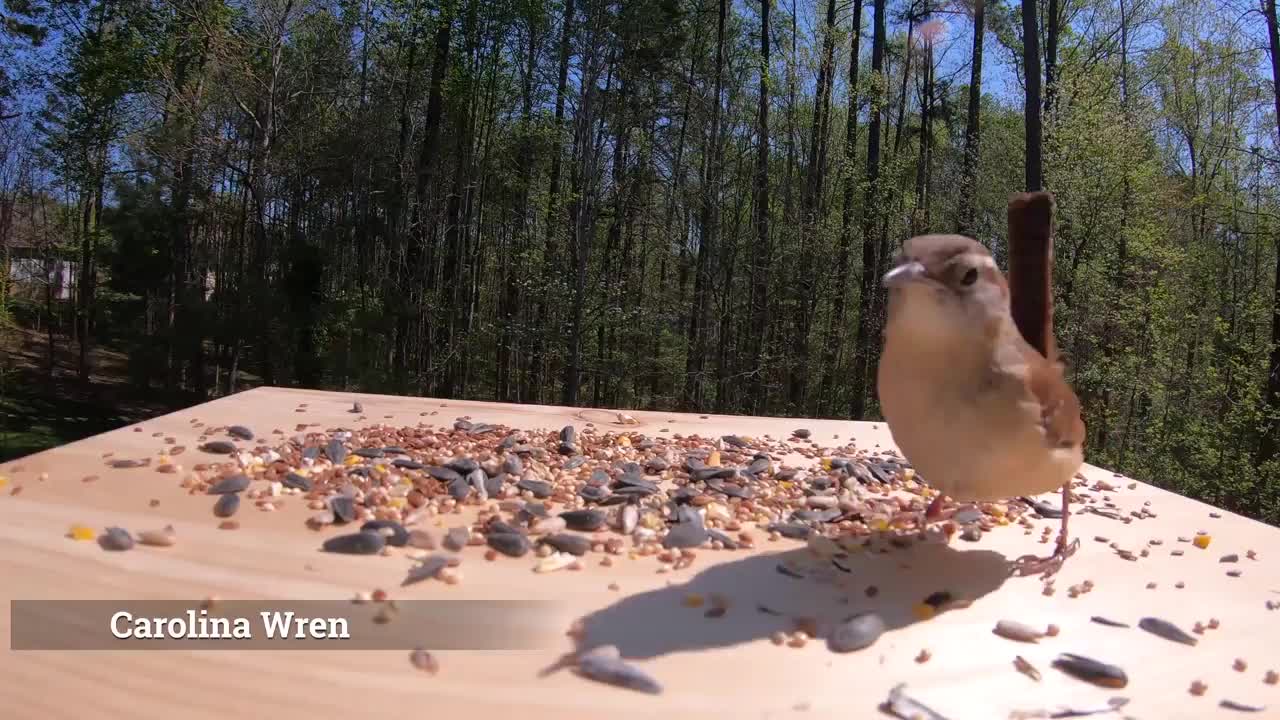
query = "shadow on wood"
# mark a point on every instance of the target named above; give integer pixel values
(657, 623)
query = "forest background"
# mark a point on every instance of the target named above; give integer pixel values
(662, 204)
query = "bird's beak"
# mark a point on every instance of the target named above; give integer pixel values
(904, 273)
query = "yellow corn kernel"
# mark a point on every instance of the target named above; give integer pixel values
(1202, 541)
(624, 441)
(3, 481)
(352, 460)
(713, 460)
(879, 523)
(910, 474)
(826, 463)
(82, 532)
(693, 600)
(923, 611)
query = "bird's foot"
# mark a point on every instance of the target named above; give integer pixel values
(1046, 567)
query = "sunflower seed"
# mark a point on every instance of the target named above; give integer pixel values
(218, 447)
(568, 434)
(1015, 630)
(241, 432)
(1166, 630)
(685, 535)
(567, 543)
(296, 481)
(605, 665)
(457, 538)
(584, 520)
(233, 484)
(802, 433)
(462, 425)
(510, 544)
(594, 493)
(539, 488)
(480, 483)
(628, 518)
(393, 531)
(1110, 623)
(1091, 670)
(1043, 509)
(443, 474)
(407, 464)
(425, 570)
(575, 462)
(903, 706)
(227, 505)
(513, 465)
(361, 543)
(357, 408)
(794, 531)
(343, 507)
(369, 453)
(459, 489)
(1241, 707)
(463, 466)
(734, 441)
(116, 539)
(335, 451)
(856, 633)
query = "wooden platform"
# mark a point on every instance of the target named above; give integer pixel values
(726, 666)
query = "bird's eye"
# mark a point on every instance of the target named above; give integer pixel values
(970, 277)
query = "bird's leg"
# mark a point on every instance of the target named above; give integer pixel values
(932, 512)
(1047, 566)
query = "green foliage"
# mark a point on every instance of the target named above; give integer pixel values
(267, 165)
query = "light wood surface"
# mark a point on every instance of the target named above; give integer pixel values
(725, 666)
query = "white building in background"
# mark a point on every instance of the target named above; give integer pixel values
(30, 271)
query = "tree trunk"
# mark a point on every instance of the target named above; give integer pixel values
(835, 330)
(972, 128)
(546, 297)
(760, 257)
(699, 321)
(1031, 104)
(811, 214)
(421, 235)
(1271, 438)
(870, 248)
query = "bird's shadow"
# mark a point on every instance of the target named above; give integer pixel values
(762, 599)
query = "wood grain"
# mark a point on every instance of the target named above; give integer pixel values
(724, 666)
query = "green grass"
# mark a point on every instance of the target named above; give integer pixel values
(30, 423)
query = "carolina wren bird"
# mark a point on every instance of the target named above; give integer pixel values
(979, 412)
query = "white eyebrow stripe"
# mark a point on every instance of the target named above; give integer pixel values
(986, 261)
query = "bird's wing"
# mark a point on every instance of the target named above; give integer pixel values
(1059, 406)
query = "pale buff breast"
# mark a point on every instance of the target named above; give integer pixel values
(970, 443)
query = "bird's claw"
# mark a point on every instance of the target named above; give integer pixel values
(1046, 567)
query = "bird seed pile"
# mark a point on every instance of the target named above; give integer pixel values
(560, 499)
